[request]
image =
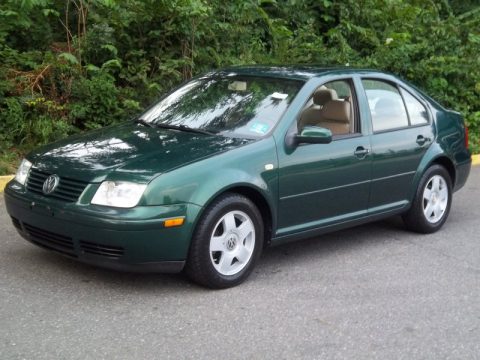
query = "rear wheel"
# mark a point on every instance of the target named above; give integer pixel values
(227, 242)
(431, 205)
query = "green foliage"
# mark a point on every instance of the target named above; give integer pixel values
(31, 122)
(67, 66)
(69, 57)
(95, 102)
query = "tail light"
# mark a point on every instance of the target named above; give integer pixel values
(466, 137)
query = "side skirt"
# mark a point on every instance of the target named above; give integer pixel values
(371, 217)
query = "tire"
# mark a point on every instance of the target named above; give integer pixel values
(431, 205)
(227, 242)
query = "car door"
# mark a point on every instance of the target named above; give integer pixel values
(322, 184)
(401, 136)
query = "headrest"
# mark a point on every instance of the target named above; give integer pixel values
(336, 110)
(322, 96)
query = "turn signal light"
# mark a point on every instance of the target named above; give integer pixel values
(174, 222)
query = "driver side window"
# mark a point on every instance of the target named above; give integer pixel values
(331, 106)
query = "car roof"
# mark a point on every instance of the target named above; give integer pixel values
(298, 72)
(306, 72)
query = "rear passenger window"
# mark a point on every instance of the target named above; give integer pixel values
(386, 105)
(417, 112)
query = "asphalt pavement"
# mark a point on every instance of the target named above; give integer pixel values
(370, 292)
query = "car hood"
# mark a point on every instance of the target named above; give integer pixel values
(128, 151)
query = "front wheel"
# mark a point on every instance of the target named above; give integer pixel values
(431, 205)
(227, 242)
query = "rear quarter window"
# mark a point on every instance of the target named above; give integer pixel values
(416, 110)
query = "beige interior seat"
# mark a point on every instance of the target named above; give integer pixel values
(336, 116)
(312, 115)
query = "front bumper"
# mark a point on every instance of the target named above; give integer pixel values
(121, 239)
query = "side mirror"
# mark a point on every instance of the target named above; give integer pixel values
(314, 135)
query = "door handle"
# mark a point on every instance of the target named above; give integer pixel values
(361, 152)
(421, 140)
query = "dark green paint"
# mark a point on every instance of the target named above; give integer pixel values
(129, 152)
(310, 188)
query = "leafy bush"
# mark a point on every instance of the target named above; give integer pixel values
(70, 66)
(94, 102)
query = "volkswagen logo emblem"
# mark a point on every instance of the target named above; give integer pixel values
(231, 242)
(50, 184)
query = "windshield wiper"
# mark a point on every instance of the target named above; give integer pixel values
(173, 127)
(143, 122)
(182, 128)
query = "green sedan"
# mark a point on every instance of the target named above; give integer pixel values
(239, 159)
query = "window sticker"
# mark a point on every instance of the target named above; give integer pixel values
(279, 96)
(259, 128)
(238, 86)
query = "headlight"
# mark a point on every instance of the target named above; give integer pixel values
(22, 172)
(118, 194)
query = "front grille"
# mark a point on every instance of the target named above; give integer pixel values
(16, 223)
(67, 190)
(50, 240)
(113, 252)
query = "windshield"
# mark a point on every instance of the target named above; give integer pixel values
(232, 106)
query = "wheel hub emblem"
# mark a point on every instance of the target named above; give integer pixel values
(50, 184)
(231, 242)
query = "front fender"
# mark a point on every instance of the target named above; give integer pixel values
(199, 183)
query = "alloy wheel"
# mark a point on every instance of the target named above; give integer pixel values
(232, 242)
(435, 199)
